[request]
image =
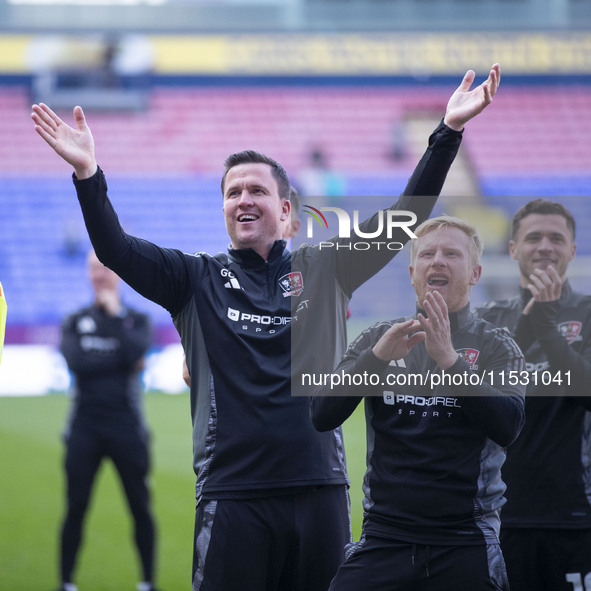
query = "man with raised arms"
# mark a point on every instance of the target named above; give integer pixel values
(272, 510)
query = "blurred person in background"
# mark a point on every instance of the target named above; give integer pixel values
(104, 345)
(272, 499)
(433, 488)
(318, 179)
(546, 529)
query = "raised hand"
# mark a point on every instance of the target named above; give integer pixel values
(437, 330)
(75, 146)
(465, 104)
(545, 285)
(397, 341)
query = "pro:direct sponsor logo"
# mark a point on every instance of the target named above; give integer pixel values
(445, 401)
(257, 321)
(435, 407)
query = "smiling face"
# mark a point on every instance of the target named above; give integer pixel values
(253, 211)
(444, 261)
(542, 240)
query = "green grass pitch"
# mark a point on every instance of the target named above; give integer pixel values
(32, 498)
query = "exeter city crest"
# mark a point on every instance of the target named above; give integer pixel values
(469, 355)
(570, 330)
(292, 284)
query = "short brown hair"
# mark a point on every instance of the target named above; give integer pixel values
(543, 207)
(448, 221)
(250, 156)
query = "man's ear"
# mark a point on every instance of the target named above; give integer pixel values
(285, 209)
(573, 252)
(513, 249)
(476, 273)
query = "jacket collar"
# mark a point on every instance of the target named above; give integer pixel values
(247, 257)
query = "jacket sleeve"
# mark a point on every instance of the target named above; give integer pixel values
(337, 397)
(135, 338)
(71, 349)
(354, 267)
(159, 274)
(560, 353)
(431, 171)
(496, 401)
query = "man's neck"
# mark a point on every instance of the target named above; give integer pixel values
(263, 252)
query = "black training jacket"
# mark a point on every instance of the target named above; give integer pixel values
(103, 354)
(247, 324)
(548, 468)
(434, 448)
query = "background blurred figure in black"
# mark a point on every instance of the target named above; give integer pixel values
(104, 345)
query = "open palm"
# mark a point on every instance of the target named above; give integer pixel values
(465, 104)
(75, 146)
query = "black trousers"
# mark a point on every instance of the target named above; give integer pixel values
(291, 542)
(128, 449)
(376, 564)
(547, 559)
